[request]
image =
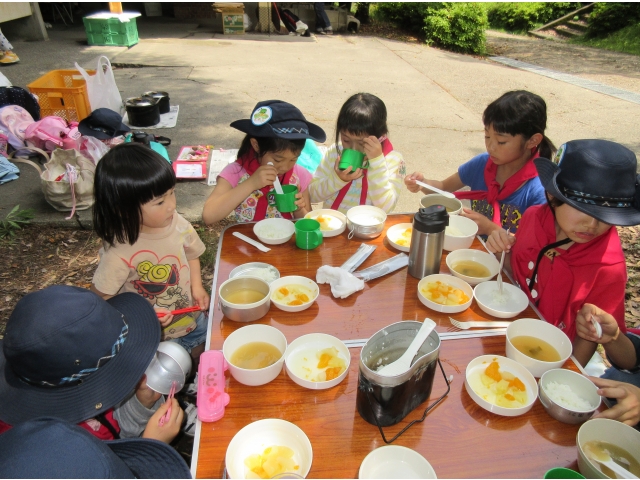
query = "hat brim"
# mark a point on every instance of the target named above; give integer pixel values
(315, 132)
(623, 217)
(99, 391)
(148, 458)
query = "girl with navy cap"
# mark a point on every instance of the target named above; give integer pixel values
(275, 136)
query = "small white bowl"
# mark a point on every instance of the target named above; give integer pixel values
(394, 461)
(532, 327)
(255, 269)
(580, 385)
(484, 258)
(274, 231)
(478, 366)
(463, 225)
(394, 234)
(453, 205)
(449, 280)
(609, 431)
(257, 436)
(301, 353)
(365, 221)
(249, 334)
(294, 280)
(328, 212)
(512, 302)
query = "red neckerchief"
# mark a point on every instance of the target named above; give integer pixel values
(494, 194)
(387, 148)
(249, 161)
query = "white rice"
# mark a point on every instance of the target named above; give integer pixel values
(266, 274)
(271, 232)
(562, 394)
(453, 232)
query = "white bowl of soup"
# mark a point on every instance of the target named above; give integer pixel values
(244, 299)
(472, 266)
(294, 293)
(537, 345)
(459, 234)
(619, 439)
(453, 205)
(255, 354)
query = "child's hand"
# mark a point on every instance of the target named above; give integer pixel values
(200, 296)
(300, 201)
(263, 176)
(627, 410)
(168, 431)
(146, 396)
(485, 226)
(500, 240)
(410, 182)
(586, 330)
(345, 175)
(166, 320)
(372, 147)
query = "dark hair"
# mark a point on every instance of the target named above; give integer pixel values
(271, 144)
(520, 113)
(362, 114)
(128, 176)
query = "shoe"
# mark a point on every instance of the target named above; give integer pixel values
(191, 415)
(321, 31)
(192, 388)
(328, 31)
(8, 57)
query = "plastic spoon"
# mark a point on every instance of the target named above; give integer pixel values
(402, 364)
(603, 458)
(597, 326)
(276, 183)
(434, 189)
(500, 273)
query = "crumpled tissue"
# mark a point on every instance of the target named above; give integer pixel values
(342, 282)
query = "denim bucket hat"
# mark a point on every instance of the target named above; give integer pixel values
(597, 177)
(68, 353)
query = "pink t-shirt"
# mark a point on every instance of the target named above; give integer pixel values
(234, 173)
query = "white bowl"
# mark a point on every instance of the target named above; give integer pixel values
(249, 334)
(394, 461)
(327, 212)
(294, 280)
(257, 436)
(301, 353)
(463, 225)
(365, 221)
(512, 302)
(449, 280)
(479, 364)
(255, 269)
(484, 258)
(274, 231)
(394, 234)
(580, 385)
(533, 327)
(453, 205)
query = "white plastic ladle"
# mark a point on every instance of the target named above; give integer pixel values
(276, 184)
(603, 458)
(403, 364)
(434, 189)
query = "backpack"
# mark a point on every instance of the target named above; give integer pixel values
(14, 121)
(19, 96)
(51, 133)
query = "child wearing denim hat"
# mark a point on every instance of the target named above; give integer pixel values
(567, 253)
(70, 354)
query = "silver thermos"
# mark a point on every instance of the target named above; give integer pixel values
(427, 239)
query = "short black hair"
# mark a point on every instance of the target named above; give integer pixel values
(362, 114)
(127, 176)
(271, 144)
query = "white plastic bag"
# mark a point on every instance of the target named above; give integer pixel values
(92, 148)
(101, 87)
(4, 81)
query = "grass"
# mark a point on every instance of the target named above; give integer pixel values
(626, 40)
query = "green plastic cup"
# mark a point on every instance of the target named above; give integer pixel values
(286, 202)
(352, 158)
(308, 234)
(562, 473)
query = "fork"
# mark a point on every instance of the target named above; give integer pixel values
(468, 325)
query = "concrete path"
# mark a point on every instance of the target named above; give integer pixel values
(434, 98)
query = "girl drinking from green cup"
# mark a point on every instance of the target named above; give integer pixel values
(361, 135)
(276, 133)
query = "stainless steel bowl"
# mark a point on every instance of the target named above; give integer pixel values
(244, 312)
(580, 385)
(361, 230)
(250, 270)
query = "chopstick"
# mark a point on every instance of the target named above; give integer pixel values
(180, 311)
(165, 418)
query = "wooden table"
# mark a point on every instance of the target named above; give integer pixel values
(458, 437)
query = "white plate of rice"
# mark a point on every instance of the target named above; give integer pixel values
(274, 231)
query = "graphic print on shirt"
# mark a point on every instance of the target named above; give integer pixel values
(510, 215)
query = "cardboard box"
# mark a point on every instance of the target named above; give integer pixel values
(232, 23)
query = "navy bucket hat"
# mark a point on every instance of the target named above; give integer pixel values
(103, 123)
(68, 353)
(275, 118)
(597, 177)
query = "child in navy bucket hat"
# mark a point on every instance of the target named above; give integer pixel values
(70, 354)
(567, 253)
(275, 136)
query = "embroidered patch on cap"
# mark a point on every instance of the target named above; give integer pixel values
(261, 116)
(557, 158)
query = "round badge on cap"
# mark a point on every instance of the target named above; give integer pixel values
(261, 115)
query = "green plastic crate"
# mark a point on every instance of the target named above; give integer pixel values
(111, 31)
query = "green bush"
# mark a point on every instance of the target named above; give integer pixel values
(524, 16)
(611, 17)
(408, 15)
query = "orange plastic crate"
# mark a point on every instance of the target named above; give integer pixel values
(62, 93)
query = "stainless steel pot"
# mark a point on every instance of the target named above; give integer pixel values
(244, 312)
(367, 230)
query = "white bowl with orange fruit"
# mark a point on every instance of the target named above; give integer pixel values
(294, 293)
(445, 293)
(399, 236)
(332, 222)
(317, 361)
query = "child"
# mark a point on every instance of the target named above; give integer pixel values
(503, 181)
(69, 354)
(362, 126)
(276, 134)
(567, 253)
(148, 248)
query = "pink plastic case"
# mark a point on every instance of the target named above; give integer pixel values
(211, 395)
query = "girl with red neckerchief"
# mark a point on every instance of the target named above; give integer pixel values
(276, 134)
(503, 181)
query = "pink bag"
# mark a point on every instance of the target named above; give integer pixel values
(14, 121)
(51, 133)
